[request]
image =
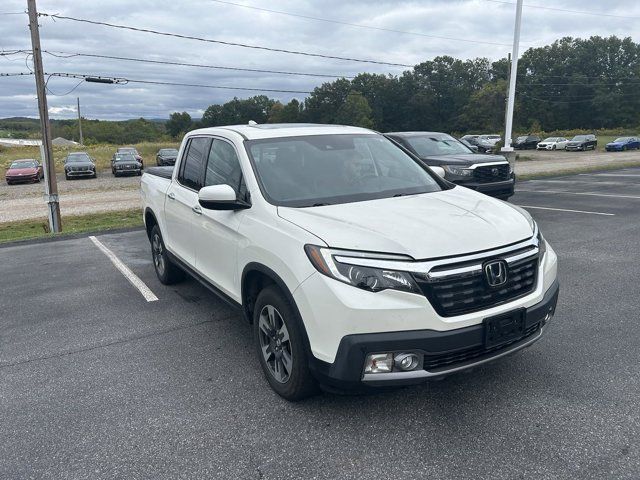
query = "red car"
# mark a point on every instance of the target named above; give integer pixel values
(22, 171)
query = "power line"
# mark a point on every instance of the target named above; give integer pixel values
(358, 25)
(221, 42)
(60, 54)
(11, 13)
(564, 10)
(17, 74)
(124, 81)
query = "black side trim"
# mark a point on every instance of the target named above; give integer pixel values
(164, 172)
(258, 267)
(215, 290)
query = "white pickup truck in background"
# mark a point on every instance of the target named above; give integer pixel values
(356, 264)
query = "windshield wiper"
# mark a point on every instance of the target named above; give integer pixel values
(321, 204)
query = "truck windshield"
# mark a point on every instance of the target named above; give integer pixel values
(436, 144)
(319, 170)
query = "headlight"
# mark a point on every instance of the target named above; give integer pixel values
(458, 171)
(366, 278)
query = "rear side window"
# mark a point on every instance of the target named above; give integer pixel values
(192, 166)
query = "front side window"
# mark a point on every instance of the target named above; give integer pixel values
(330, 169)
(223, 166)
(192, 166)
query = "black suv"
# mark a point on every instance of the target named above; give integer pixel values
(582, 143)
(490, 174)
(527, 142)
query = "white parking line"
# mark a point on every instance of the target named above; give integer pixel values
(567, 210)
(580, 193)
(146, 292)
(609, 174)
(587, 182)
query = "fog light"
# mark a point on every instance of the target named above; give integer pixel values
(406, 361)
(378, 363)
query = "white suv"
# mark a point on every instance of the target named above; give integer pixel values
(357, 265)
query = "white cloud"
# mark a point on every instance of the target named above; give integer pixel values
(469, 19)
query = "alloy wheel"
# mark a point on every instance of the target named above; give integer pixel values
(275, 343)
(158, 257)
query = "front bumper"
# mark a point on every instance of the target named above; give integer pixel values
(495, 189)
(22, 178)
(81, 173)
(460, 349)
(576, 148)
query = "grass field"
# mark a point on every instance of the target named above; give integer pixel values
(101, 153)
(30, 229)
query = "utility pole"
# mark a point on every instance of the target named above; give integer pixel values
(507, 92)
(508, 149)
(50, 182)
(80, 123)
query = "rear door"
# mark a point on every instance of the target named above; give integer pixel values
(181, 203)
(216, 231)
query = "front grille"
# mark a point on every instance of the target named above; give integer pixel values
(458, 295)
(450, 360)
(491, 173)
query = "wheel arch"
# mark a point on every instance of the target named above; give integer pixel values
(150, 221)
(255, 277)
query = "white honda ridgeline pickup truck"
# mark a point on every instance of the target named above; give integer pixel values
(356, 264)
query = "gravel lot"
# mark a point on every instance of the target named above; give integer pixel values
(95, 382)
(106, 193)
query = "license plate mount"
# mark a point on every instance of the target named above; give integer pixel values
(504, 328)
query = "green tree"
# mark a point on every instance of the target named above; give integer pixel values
(178, 123)
(355, 111)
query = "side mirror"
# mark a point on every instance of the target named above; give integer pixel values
(220, 197)
(438, 171)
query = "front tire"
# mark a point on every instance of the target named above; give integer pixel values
(168, 272)
(280, 346)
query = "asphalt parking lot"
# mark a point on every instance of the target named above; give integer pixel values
(98, 382)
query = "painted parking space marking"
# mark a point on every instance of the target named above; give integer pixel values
(591, 194)
(587, 182)
(568, 210)
(609, 174)
(146, 292)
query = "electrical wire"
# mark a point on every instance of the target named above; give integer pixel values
(124, 81)
(566, 10)
(220, 42)
(359, 25)
(17, 74)
(60, 54)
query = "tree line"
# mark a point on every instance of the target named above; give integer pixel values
(570, 84)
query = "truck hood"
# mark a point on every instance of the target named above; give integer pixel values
(430, 225)
(462, 159)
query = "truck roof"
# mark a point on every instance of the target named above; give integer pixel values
(275, 130)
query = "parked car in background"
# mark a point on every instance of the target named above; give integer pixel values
(166, 156)
(493, 139)
(126, 164)
(582, 143)
(129, 150)
(355, 265)
(553, 143)
(526, 142)
(23, 171)
(490, 174)
(623, 143)
(483, 145)
(79, 164)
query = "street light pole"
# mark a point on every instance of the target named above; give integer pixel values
(80, 123)
(512, 81)
(50, 182)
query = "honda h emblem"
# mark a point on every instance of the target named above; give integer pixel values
(496, 273)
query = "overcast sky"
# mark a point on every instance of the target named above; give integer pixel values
(475, 21)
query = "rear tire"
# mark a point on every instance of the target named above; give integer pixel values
(280, 346)
(168, 272)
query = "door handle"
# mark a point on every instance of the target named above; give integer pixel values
(171, 196)
(196, 209)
